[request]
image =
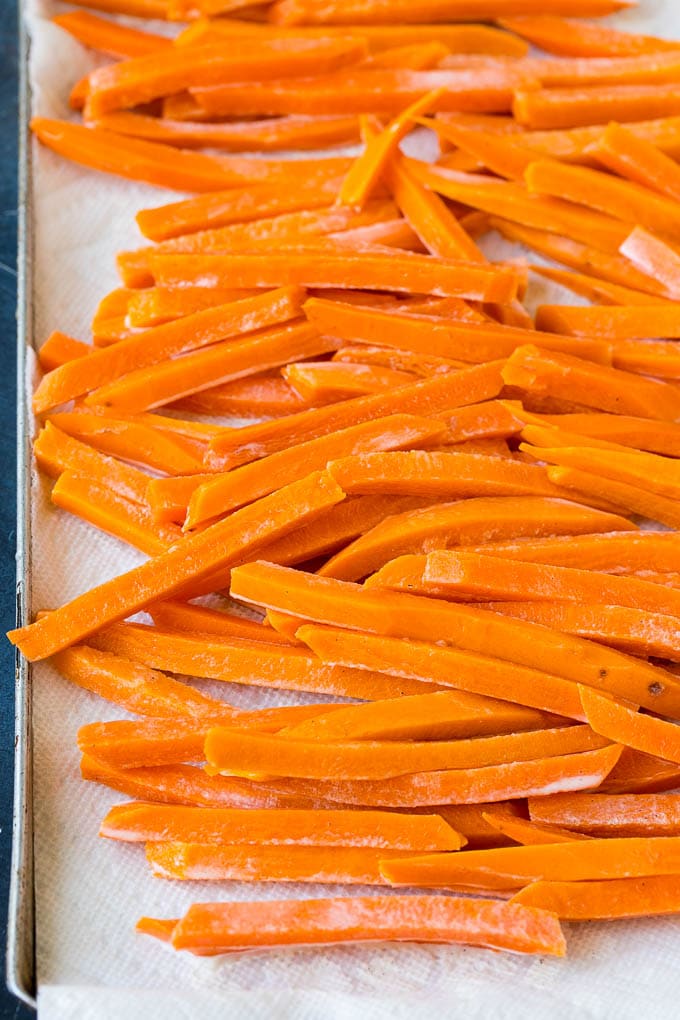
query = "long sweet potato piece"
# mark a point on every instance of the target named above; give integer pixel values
(58, 348)
(569, 37)
(611, 899)
(626, 726)
(624, 322)
(637, 160)
(638, 814)
(600, 292)
(109, 37)
(639, 433)
(641, 773)
(139, 822)
(616, 552)
(295, 12)
(324, 382)
(247, 483)
(578, 107)
(497, 925)
(399, 615)
(196, 557)
(467, 522)
(653, 256)
(189, 618)
(531, 833)
(635, 499)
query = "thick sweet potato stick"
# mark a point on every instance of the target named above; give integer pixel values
(245, 484)
(578, 107)
(620, 323)
(220, 927)
(424, 334)
(513, 867)
(637, 160)
(636, 500)
(637, 814)
(189, 618)
(467, 522)
(109, 37)
(443, 393)
(626, 726)
(265, 395)
(639, 433)
(161, 342)
(616, 552)
(641, 773)
(569, 37)
(139, 822)
(398, 615)
(600, 292)
(142, 79)
(194, 558)
(579, 771)
(134, 8)
(324, 382)
(612, 899)
(654, 257)
(59, 348)
(126, 744)
(295, 12)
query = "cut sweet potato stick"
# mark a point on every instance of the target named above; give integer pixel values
(322, 382)
(188, 784)
(467, 522)
(569, 37)
(294, 12)
(265, 395)
(109, 37)
(237, 752)
(640, 814)
(441, 716)
(519, 830)
(639, 433)
(192, 619)
(424, 334)
(505, 154)
(641, 773)
(154, 345)
(637, 160)
(620, 323)
(512, 202)
(222, 926)
(631, 630)
(155, 305)
(369, 167)
(620, 723)
(597, 386)
(402, 271)
(161, 384)
(579, 771)
(398, 615)
(611, 899)
(513, 867)
(55, 452)
(235, 488)
(468, 819)
(142, 79)
(636, 500)
(168, 498)
(110, 512)
(134, 8)
(459, 573)
(135, 687)
(59, 348)
(125, 744)
(246, 661)
(600, 292)
(619, 552)
(654, 257)
(578, 107)
(419, 365)
(417, 57)
(443, 393)
(233, 539)
(139, 822)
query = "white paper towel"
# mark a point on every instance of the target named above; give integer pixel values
(90, 893)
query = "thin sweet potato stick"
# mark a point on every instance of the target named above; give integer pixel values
(626, 726)
(109, 37)
(651, 896)
(635, 814)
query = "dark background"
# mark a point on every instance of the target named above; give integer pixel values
(9, 1007)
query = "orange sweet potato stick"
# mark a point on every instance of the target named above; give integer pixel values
(441, 716)
(640, 433)
(235, 488)
(596, 386)
(265, 395)
(153, 742)
(637, 814)
(403, 271)
(616, 552)
(623, 322)
(643, 357)
(295, 12)
(109, 37)
(189, 618)
(641, 773)
(582, 770)
(370, 166)
(398, 615)
(55, 452)
(142, 79)
(341, 865)
(519, 830)
(323, 382)
(637, 160)
(424, 334)
(155, 345)
(417, 57)
(467, 522)
(578, 107)
(569, 37)
(110, 512)
(513, 867)
(134, 8)
(600, 292)
(419, 365)
(220, 927)
(653, 256)
(153, 306)
(168, 498)
(188, 784)
(59, 348)
(443, 393)
(604, 901)
(197, 557)
(233, 752)
(161, 384)
(636, 500)
(459, 573)
(246, 661)
(139, 822)
(626, 726)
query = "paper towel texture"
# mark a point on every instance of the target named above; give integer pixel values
(90, 892)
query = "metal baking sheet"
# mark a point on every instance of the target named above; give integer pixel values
(21, 977)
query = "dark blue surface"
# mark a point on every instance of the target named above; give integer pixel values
(9, 1007)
